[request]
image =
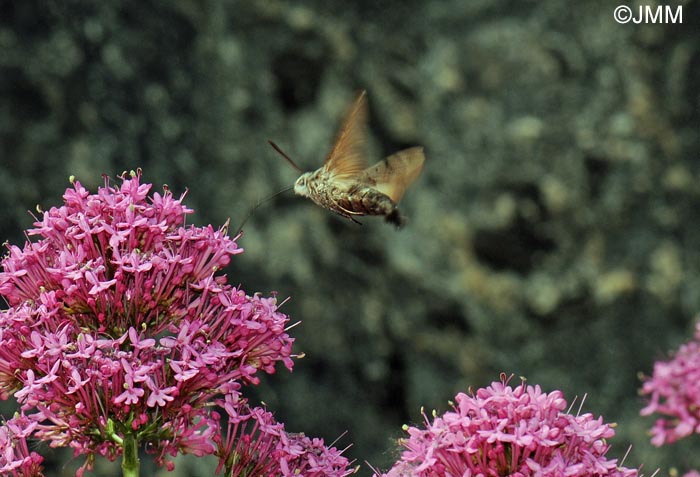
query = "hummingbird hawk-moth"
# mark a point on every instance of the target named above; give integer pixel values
(347, 186)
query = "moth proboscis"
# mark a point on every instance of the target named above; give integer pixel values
(346, 184)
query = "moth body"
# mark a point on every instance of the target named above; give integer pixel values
(347, 199)
(346, 184)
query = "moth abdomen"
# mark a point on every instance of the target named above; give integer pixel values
(395, 217)
(369, 201)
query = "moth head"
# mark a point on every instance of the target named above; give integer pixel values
(301, 185)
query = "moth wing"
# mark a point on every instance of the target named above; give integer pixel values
(393, 175)
(347, 158)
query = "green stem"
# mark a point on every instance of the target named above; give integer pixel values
(130, 456)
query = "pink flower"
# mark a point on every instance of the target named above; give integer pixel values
(257, 445)
(301, 455)
(120, 324)
(501, 430)
(15, 458)
(674, 393)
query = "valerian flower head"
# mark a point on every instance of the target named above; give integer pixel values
(120, 324)
(506, 431)
(674, 393)
(15, 458)
(256, 445)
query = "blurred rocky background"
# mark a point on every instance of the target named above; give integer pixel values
(553, 234)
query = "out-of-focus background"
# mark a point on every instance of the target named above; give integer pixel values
(553, 233)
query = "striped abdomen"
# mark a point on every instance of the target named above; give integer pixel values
(358, 200)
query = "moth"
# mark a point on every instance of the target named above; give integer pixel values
(347, 185)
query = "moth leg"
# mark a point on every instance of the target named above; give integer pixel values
(348, 214)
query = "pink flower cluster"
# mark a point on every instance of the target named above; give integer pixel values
(120, 327)
(15, 458)
(517, 432)
(252, 433)
(674, 392)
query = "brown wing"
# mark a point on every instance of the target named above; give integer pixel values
(347, 158)
(395, 173)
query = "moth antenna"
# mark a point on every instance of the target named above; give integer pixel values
(258, 204)
(289, 159)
